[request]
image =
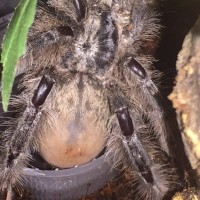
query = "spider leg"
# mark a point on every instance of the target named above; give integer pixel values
(158, 114)
(76, 9)
(143, 26)
(80, 9)
(133, 144)
(144, 21)
(53, 36)
(10, 194)
(18, 146)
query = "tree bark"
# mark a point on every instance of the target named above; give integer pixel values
(186, 101)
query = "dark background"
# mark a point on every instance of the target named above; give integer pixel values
(7, 6)
(177, 17)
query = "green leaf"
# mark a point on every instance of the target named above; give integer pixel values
(14, 44)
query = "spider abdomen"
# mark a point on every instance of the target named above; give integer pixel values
(73, 127)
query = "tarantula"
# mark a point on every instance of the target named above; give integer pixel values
(87, 83)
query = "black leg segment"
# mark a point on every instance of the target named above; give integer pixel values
(42, 91)
(137, 68)
(24, 137)
(134, 148)
(125, 121)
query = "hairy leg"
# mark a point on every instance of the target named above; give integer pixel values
(132, 144)
(23, 138)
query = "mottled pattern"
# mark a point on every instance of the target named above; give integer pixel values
(98, 55)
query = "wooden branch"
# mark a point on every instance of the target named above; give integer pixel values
(186, 100)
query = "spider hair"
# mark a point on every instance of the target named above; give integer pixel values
(88, 76)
